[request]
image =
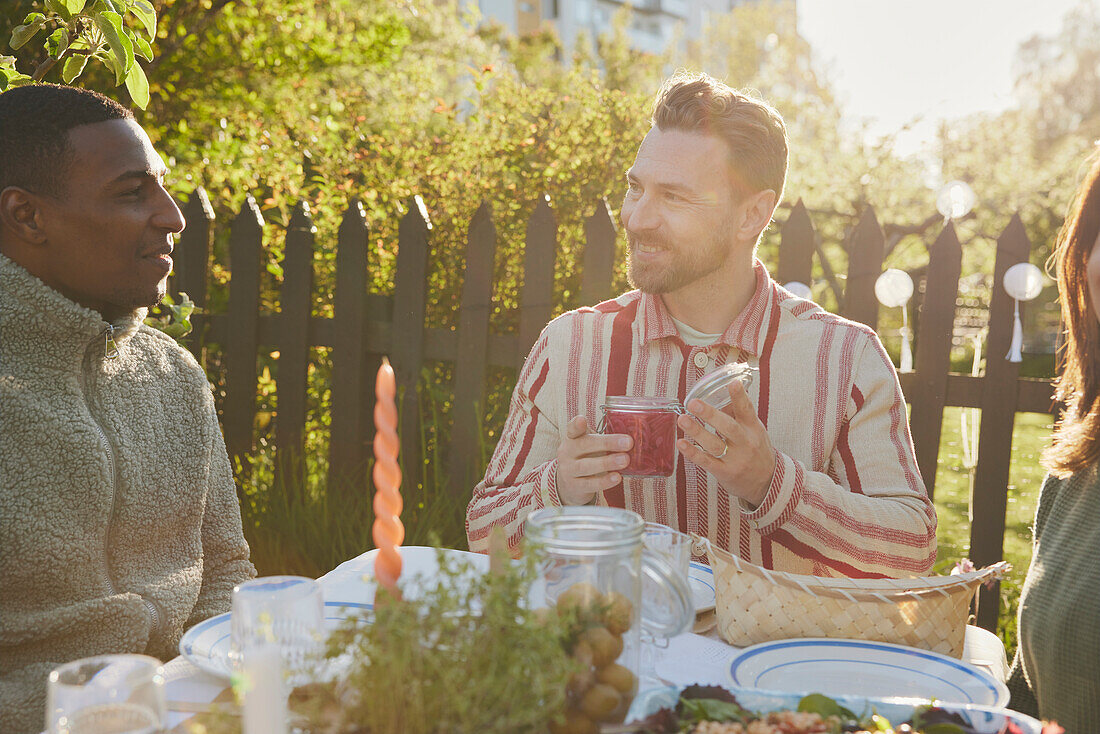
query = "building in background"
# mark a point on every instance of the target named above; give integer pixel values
(653, 26)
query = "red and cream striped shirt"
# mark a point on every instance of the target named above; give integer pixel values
(846, 498)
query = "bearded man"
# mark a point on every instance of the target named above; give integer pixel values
(811, 469)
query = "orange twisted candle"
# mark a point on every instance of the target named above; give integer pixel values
(388, 532)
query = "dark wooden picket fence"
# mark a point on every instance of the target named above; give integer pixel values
(366, 326)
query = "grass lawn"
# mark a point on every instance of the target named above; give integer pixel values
(952, 495)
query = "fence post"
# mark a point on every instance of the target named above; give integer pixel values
(796, 247)
(599, 256)
(292, 383)
(407, 345)
(472, 352)
(999, 401)
(537, 298)
(347, 452)
(865, 248)
(243, 322)
(933, 358)
(192, 261)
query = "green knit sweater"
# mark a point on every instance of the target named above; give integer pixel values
(1056, 673)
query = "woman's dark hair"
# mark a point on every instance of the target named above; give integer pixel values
(1076, 444)
(35, 121)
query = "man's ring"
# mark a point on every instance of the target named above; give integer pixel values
(725, 448)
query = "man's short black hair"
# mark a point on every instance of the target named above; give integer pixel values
(35, 121)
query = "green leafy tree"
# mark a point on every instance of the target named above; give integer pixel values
(114, 32)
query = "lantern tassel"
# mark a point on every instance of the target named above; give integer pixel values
(906, 348)
(1016, 349)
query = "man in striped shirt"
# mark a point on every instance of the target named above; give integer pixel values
(811, 469)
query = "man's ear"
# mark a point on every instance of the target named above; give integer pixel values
(21, 215)
(758, 209)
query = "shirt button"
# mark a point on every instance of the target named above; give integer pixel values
(701, 359)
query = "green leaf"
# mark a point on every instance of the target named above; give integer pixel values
(57, 42)
(73, 66)
(23, 33)
(56, 6)
(110, 24)
(100, 6)
(817, 703)
(710, 709)
(9, 77)
(33, 18)
(142, 48)
(138, 85)
(147, 15)
(74, 6)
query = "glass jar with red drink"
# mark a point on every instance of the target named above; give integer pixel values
(651, 421)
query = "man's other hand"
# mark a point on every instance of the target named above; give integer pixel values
(740, 456)
(589, 463)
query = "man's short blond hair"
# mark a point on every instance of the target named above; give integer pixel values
(751, 128)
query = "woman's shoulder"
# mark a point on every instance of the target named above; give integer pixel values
(1060, 495)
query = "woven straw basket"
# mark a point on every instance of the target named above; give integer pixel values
(757, 605)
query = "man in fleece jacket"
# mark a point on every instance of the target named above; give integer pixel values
(119, 520)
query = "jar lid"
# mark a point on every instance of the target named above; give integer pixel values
(713, 388)
(638, 402)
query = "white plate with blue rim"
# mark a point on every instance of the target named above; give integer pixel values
(701, 581)
(857, 667)
(206, 645)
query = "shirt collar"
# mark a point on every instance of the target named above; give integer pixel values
(745, 333)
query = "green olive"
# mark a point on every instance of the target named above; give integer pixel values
(618, 612)
(606, 647)
(600, 702)
(618, 677)
(581, 681)
(579, 599)
(583, 653)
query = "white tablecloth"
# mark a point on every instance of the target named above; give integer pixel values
(351, 582)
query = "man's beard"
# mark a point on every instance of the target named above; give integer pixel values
(688, 265)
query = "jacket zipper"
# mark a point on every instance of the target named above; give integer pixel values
(110, 351)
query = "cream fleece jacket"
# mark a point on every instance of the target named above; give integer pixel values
(119, 520)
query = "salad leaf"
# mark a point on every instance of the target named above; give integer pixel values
(716, 692)
(817, 703)
(709, 709)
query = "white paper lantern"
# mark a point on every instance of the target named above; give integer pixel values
(955, 200)
(1024, 282)
(799, 289)
(893, 289)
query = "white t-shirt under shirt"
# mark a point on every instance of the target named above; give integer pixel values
(693, 337)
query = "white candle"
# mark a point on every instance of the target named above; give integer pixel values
(265, 691)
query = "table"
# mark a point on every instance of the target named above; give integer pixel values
(351, 582)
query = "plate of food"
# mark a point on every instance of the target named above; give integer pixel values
(206, 645)
(669, 710)
(878, 669)
(701, 581)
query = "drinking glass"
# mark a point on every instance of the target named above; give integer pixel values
(107, 694)
(285, 611)
(675, 548)
(670, 543)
